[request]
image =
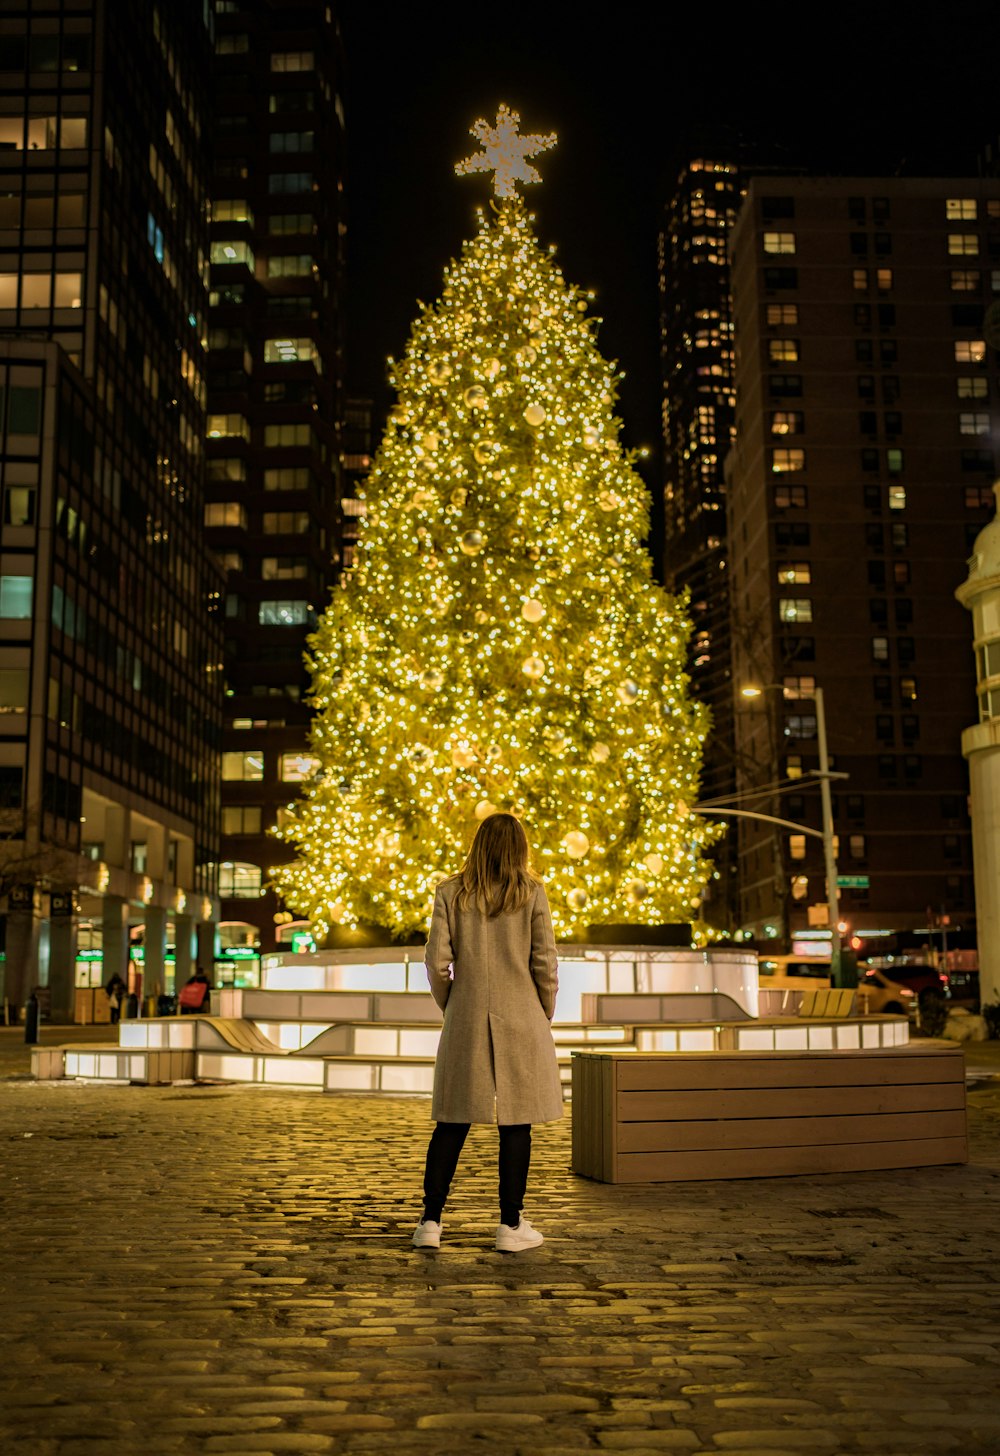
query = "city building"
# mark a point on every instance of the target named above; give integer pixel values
(110, 604)
(866, 447)
(697, 370)
(275, 403)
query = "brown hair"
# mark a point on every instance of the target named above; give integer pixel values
(495, 877)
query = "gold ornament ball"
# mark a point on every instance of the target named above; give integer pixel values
(494, 752)
(654, 863)
(534, 415)
(472, 542)
(533, 610)
(481, 616)
(463, 757)
(608, 501)
(576, 844)
(577, 899)
(432, 679)
(467, 636)
(628, 691)
(533, 667)
(438, 371)
(484, 809)
(491, 368)
(600, 753)
(459, 496)
(475, 396)
(526, 355)
(387, 844)
(533, 553)
(636, 891)
(582, 305)
(483, 452)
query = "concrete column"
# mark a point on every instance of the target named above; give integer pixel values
(207, 930)
(117, 836)
(183, 950)
(981, 746)
(114, 922)
(154, 951)
(21, 966)
(62, 966)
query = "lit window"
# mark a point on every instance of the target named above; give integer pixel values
(883, 279)
(291, 222)
(779, 242)
(856, 846)
(15, 597)
(786, 422)
(293, 61)
(291, 265)
(241, 819)
(793, 766)
(971, 386)
(297, 767)
(287, 477)
(880, 649)
(284, 614)
(897, 497)
(970, 351)
(283, 568)
(239, 881)
(786, 460)
(977, 496)
(963, 245)
(800, 725)
(782, 313)
(908, 689)
(233, 44)
(974, 422)
(287, 435)
(960, 209)
(783, 351)
(19, 506)
(289, 184)
(226, 513)
(289, 351)
(859, 278)
(791, 573)
(230, 425)
(13, 689)
(232, 209)
(790, 497)
(234, 250)
(798, 687)
(243, 765)
(894, 461)
(795, 609)
(796, 846)
(229, 560)
(281, 142)
(964, 280)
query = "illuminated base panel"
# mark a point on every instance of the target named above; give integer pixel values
(364, 1021)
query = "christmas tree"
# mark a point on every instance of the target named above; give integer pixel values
(499, 643)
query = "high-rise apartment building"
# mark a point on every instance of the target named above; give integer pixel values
(110, 640)
(866, 445)
(696, 353)
(275, 405)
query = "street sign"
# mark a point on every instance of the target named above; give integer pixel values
(853, 882)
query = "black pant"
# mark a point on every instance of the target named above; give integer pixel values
(443, 1153)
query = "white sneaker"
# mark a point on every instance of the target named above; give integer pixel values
(511, 1240)
(427, 1235)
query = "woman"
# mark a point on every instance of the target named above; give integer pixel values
(491, 963)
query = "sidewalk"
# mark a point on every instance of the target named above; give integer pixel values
(201, 1270)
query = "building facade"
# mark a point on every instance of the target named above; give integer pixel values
(275, 404)
(866, 430)
(697, 370)
(110, 605)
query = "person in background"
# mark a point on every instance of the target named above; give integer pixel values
(116, 991)
(491, 964)
(194, 994)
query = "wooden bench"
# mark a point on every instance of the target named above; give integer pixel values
(677, 1116)
(828, 1002)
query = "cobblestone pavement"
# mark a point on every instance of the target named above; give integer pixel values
(191, 1270)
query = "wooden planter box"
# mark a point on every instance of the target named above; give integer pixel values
(674, 1116)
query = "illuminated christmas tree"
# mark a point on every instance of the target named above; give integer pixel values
(499, 643)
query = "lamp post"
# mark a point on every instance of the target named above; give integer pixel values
(824, 774)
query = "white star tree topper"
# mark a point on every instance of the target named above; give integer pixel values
(505, 152)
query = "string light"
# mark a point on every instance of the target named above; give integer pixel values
(499, 643)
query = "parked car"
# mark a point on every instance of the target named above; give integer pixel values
(964, 988)
(880, 996)
(923, 982)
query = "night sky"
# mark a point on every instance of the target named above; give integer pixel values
(879, 91)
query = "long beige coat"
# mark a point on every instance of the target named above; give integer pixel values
(496, 981)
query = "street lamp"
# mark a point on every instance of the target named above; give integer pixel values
(824, 774)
